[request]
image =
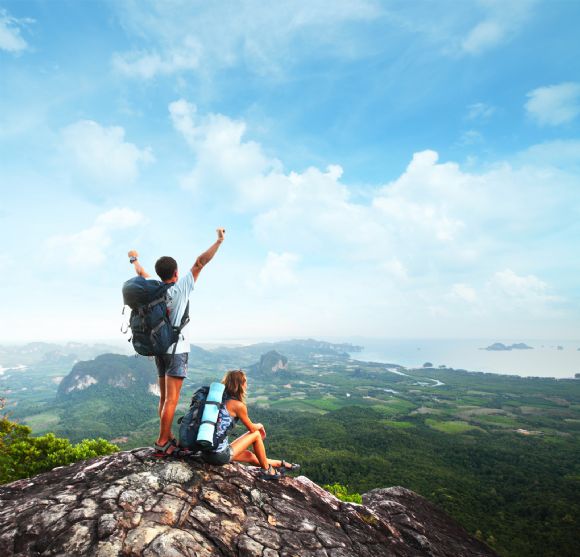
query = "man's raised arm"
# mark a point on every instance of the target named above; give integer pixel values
(207, 256)
(133, 255)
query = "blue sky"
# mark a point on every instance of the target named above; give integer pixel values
(383, 169)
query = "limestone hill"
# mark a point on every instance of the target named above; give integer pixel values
(131, 504)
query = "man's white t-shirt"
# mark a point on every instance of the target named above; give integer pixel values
(177, 298)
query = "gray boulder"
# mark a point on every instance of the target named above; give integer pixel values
(131, 504)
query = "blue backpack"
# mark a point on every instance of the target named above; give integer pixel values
(190, 423)
(152, 330)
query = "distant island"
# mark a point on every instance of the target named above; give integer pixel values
(500, 346)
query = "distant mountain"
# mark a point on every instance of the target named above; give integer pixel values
(110, 370)
(297, 348)
(201, 356)
(271, 362)
(51, 353)
(499, 347)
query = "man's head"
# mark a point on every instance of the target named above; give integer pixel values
(166, 268)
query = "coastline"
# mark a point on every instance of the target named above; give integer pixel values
(544, 360)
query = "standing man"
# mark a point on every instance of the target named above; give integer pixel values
(172, 369)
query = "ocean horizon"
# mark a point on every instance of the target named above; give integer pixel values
(547, 358)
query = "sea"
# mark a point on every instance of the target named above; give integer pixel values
(547, 358)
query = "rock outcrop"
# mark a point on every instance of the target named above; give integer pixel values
(131, 504)
(269, 363)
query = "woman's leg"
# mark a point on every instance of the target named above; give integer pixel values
(241, 453)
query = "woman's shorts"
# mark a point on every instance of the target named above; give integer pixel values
(220, 458)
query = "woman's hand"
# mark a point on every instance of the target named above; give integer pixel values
(261, 429)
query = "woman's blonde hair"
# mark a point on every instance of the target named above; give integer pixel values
(235, 382)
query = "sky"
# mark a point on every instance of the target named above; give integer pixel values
(384, 169)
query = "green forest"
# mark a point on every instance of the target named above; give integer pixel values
(499, 453)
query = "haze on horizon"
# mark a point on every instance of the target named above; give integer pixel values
(382, 169)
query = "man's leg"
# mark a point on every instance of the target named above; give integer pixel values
(161, 394)
(172, 391)
(160, 365)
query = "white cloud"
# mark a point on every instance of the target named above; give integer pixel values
(464, 292)
(480, 111)
(450, 216)
(560, 153)
(395, 251)
(89, 245)
(279, 270)
(103, 154)
(521, 290)
(10, 34)
(501, 22)
(470, 137)
(181, 57)
(208, 37)
(396, 269)
(555, 104)
(224, 161)
(505, 294)
(483, 36)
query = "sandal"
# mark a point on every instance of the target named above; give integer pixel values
(162, 451)
(288, 467)
(269, 474)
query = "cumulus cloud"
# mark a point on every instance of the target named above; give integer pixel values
(434, 208)
(225, 162)
(504, 293)
(554, 104)
(102, 153)
(11, 39)
(403, 244)
(502, 20)
(520, 290)
(92, 242)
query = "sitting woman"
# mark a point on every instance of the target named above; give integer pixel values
(235, 386)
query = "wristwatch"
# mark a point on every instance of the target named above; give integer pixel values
(132, 259)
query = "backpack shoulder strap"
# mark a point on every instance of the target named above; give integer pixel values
(185, 318)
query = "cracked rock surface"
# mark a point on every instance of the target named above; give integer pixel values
(131, 504)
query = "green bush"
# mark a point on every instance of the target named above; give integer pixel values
(341, 492)
(22, 455)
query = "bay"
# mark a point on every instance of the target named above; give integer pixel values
(544, 360)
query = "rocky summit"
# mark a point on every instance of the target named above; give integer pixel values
(129, 503)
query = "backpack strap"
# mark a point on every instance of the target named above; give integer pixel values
(184, 322)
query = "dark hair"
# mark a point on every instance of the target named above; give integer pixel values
(165, 267)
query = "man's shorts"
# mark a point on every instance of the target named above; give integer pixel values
(173, 365)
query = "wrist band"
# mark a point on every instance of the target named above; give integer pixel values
(132, 259)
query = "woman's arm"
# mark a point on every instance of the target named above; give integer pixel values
(242, 413)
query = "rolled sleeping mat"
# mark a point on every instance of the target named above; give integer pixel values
(210, 415)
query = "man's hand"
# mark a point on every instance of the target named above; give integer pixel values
(133, 255)
(207, 255)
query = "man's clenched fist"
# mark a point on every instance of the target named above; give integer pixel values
(221, 232)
